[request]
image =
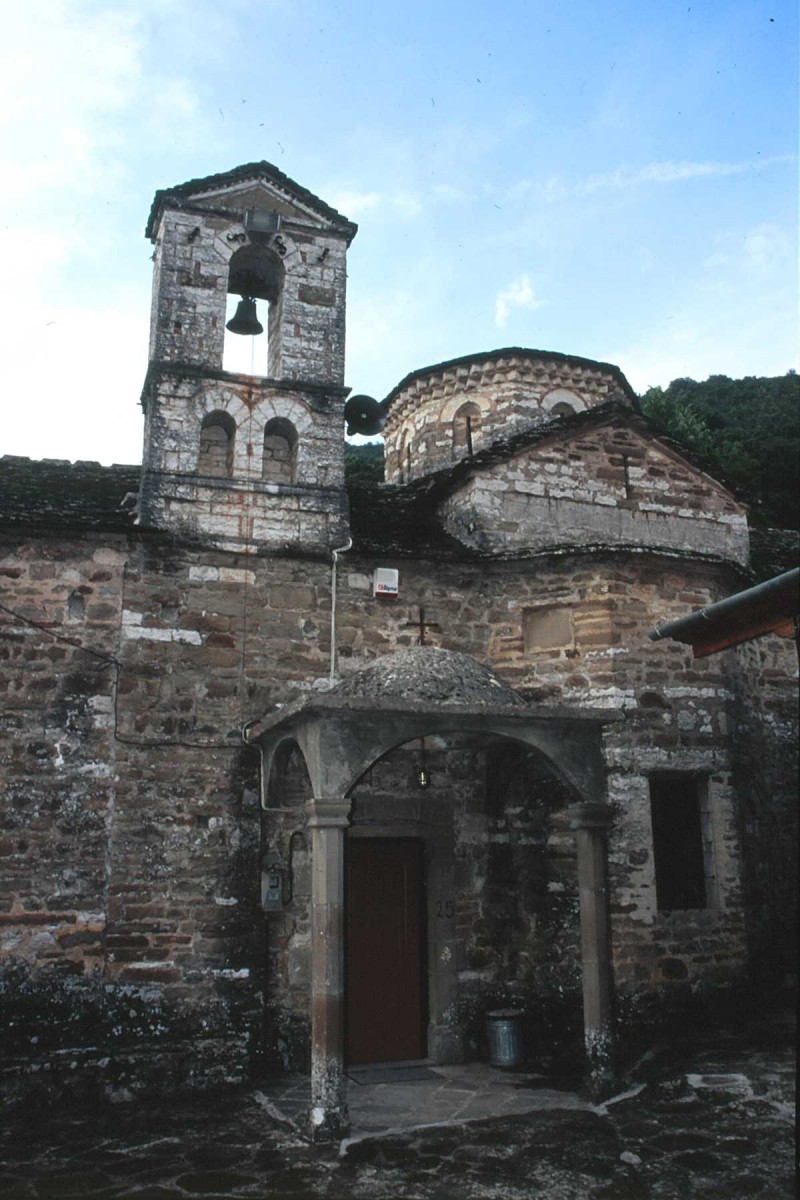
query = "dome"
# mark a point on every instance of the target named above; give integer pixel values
(432, 676)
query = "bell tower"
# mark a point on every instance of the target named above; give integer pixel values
(245, 461)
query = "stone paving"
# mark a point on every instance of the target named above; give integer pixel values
(710, 1119)
(394, 1099)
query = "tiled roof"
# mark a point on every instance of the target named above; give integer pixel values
(173, 196)
(399, 521)
(61, 496)
(487, 356)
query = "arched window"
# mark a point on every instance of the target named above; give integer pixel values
(280, 451)
(403, 459)
(562, 402)
(466, 427)
(216, 445)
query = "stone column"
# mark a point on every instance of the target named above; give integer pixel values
(591, 823)
(327, 821)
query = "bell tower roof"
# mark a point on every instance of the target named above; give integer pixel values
(238, 189)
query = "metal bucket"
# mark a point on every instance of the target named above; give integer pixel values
(505, 1037)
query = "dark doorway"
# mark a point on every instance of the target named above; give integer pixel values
(386, 992)
(677, 842)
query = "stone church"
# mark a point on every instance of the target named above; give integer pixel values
(301, 775)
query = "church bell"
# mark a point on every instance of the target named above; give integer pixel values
(245, 320)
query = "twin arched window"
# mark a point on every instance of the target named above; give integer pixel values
(217, 436)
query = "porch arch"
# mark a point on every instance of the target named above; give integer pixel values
(341, 733)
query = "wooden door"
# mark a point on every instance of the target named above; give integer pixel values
(386, 1009)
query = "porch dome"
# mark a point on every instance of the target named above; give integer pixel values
(430, 675)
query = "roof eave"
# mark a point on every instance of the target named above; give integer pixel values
(173, 197)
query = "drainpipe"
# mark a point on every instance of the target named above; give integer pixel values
(339, 550)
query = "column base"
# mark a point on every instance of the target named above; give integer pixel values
(602, 1076)
(328, 1118)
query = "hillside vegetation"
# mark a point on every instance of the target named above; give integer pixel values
(748, 432)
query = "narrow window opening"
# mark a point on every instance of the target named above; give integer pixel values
(76, 606)
(401, 461)
(683, 849)
(562, 409)
(466, 427)
(280, 451)
(217, 435)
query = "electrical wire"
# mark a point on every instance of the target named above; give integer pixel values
(111, 660)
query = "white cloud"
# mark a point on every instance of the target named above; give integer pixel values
(519, 294)
(761, 251)
(73, 82)
(75, 375)
(669, 172)
(554, 189)
(766, 247)
(82, 68)
(734, 338)
(354, 204)
(406, 204)
(449, 194)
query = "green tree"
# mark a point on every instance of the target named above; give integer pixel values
(363, 464)
(747, 430)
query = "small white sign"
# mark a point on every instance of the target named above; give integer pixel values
(385, 581)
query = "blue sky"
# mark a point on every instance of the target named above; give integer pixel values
(616, 180)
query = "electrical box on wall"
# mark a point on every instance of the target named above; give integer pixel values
(385, 581)
(273, 881)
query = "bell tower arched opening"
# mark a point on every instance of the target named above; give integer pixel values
(255, 274)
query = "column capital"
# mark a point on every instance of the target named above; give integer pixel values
(327, 812)
(590, 816)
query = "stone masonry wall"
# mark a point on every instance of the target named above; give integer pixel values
(268, 638)
(609, 486)
(511, 390)
(131, 839)
(765, 756)
(57, 749)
